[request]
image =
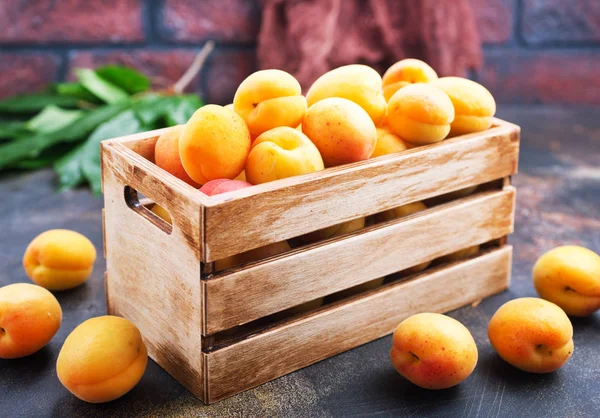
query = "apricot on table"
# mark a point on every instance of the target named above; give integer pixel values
(420, 114)
(474, 105)
(166, 154)
(219, 186)
(433, 351)
(214, 144)
(388, 143)
(532, 334)
(341, 130)
(356, 82)
(405, 72)
(102, 359)
(569, 276)
(279, 153)
(59, 259)
(29, 317)
(267, 99)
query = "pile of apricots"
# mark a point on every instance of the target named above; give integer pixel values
(349, 114)
(271, 131)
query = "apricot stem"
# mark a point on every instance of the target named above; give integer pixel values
(196, 66)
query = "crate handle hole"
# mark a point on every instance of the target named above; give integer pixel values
(143, 206)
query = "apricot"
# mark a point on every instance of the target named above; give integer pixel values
(415, 269)
(252, 255)
(532, 334)
(460, 254)
(331, 231)
(433, 351)
(474, 105)
(341, 130)
(358, 83)
(161, 213)
(387, 143)
(29, 317)
(214, 144)
(282, 152)
(569, 276)
(400, 211)
(59, 259)
(405, 72)
(241, 176)
(363, 287)
(447, 197)
(420, 114)
(102, 359)
(166, 154)
(208, 188)
(219, 186)
(304, 307)
(267, 99)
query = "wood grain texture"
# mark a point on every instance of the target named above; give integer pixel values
(283, 209)
(341, 327)
(153, 278)
(255, 291)
(183, 202)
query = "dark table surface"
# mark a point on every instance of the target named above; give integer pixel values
(558, 189)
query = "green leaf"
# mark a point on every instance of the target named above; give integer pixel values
(152, 107)
(52, 118)
(33, 145)
(45, 159)
(182, 109)
(83, 162)
(126, 78)
(101, 88)
(11, 129)
(35, 102)
(174, 109)
(75, 90)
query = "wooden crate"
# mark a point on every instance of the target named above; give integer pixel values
(222, 333)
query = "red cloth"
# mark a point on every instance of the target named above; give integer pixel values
(309, 37)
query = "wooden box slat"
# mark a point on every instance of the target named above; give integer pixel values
(290, 207)
(255, 291)
(290, 347)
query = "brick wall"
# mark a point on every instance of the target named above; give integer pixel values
(536, 51)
